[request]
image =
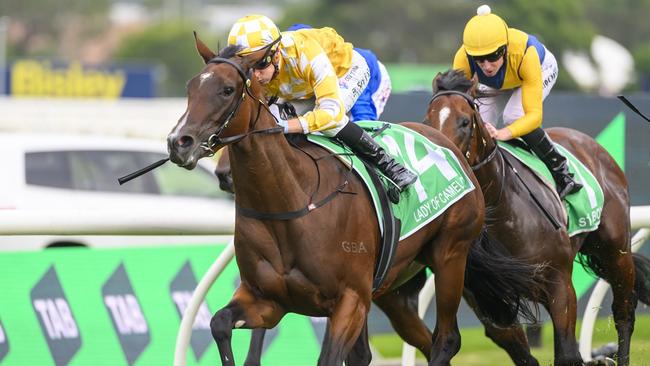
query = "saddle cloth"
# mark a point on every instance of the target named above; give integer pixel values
(441, 182)
(584, 207)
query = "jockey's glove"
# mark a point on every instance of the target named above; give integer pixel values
(275, 111)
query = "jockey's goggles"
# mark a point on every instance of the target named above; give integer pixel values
(492, 57)
(268, 56)
(263, 63)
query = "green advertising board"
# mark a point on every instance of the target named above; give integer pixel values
(78, 306)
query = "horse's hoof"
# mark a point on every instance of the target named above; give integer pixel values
(605, 361)
(606, 351)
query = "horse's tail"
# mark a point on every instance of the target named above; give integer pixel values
(642, 277)
(502, 284)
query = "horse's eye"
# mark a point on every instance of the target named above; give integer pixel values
(464, 122)
(228, 90)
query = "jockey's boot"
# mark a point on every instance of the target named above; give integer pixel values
(369, 151)
(556, 162)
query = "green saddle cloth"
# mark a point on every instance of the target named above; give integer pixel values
(584, 207)
(441, 182)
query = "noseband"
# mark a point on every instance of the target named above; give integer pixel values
(472, 103)
(214, 139)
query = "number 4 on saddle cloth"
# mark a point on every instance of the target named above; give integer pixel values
(583, 208)
(441, 182)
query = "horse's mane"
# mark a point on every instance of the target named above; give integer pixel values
(456, 80)
(229, 51)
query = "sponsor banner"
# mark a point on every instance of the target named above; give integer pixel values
(38, 78)
(55, 318)
(75, 306)
(181, 289)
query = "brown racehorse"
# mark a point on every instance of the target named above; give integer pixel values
(513, 219)
(298, 264)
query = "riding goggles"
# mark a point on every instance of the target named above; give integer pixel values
(263, 63)
(492, 57)
(268, 55)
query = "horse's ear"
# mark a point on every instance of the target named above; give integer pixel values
(474, 88)
(204, 51)
(434, 83)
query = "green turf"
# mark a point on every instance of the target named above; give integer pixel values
(478, 350)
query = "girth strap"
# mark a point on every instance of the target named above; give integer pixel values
(290, 215)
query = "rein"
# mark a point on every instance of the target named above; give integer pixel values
(214, 139)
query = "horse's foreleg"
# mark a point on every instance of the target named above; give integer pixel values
(360, 355)
(244, 311)
(449, 267)
(401, 308)
(345, 324)
(561, 305)
(254, 357)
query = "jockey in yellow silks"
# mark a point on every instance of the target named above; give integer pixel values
(315, 63)
(524, 71)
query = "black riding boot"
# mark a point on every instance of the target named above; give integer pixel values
(367, 149)
(556, 162)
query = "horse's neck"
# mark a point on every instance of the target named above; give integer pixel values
(268, 173)
(491, 175)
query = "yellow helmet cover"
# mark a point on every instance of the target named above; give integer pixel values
(484, 33)
(252, 33)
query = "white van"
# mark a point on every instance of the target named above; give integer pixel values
(65, 184)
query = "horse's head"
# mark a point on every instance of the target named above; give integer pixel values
(453, 110)
(218, 111)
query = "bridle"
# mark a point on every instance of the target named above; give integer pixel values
(473, 104)
(475, 121)
(214, 139)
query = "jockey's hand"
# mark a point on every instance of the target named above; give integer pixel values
(502, 134)
(275, 111)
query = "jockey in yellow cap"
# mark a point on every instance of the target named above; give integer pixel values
(316, 63)
(518, 64)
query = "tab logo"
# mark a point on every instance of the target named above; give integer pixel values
(4, 342)
(56, 318)
(126, 313)
(181, 289)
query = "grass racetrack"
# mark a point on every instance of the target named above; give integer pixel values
(478, 350)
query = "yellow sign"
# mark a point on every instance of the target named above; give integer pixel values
(34, 78)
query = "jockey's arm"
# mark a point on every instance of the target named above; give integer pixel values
(319, 73)
(531, 95)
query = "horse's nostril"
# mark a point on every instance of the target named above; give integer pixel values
(185, 141)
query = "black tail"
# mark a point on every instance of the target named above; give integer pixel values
(642, 278)
(501, 284)
(641, 269)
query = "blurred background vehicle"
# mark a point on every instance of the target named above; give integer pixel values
(64, 174)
